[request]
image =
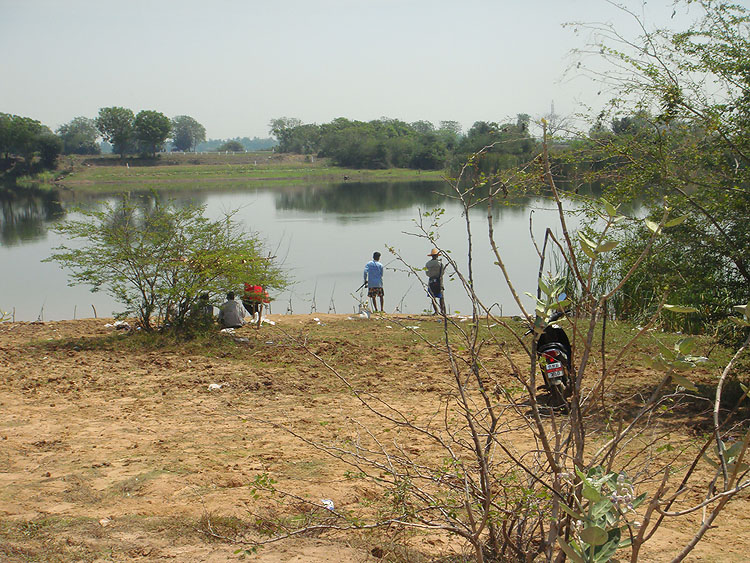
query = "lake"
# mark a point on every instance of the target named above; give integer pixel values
(323, 234)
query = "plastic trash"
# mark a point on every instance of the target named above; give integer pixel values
(327, 503)
(215, 386)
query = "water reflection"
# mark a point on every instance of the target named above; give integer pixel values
(26, 213)
(363, 197)
(350, 199)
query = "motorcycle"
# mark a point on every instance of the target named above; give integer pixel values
(554, 355)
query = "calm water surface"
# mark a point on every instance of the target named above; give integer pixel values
(323, 234)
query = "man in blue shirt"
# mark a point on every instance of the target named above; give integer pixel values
(374, 281)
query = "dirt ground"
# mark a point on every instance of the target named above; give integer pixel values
(127, 455)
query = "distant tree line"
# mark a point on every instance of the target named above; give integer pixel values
(27, 146)
(146, 132)
(237, 144)
(383, 143)
(387, 143)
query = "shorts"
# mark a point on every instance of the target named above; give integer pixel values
(375, 292)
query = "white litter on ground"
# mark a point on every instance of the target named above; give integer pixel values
(328, 503)
(215, 386)
(119, 325)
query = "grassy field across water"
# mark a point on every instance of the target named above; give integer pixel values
(191, 170)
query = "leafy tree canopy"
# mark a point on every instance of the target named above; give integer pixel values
(672, 135)
(157, 258)
(116, 126)
(152, 129)
(231, 146)
(187, 133)
(79, 136)
(25, 137)
(381, 143)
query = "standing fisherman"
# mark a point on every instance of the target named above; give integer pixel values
(374, 280)
(435, 269)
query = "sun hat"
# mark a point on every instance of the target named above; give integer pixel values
(434, 252)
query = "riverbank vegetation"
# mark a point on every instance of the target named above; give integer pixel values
(178, 171)
(161, 261)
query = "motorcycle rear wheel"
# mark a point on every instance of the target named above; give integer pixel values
(558, 396)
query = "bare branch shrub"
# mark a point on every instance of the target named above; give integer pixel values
(497, 465)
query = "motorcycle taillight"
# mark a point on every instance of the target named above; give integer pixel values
(551, 356)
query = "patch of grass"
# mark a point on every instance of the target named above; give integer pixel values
(305, 469)
(85, 540)
(208, 171)
(50, 540)
(79, 491)
(133, 485)
(214, 527)
(208, 343)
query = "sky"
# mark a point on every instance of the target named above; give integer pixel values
(234, 65)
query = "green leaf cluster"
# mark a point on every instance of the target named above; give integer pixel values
(552, 299)
(600, 523)
(679, 358)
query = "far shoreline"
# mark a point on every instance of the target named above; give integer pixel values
(208, 171)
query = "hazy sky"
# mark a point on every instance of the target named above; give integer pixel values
(236, 64)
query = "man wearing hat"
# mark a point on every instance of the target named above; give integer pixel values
(435, 269)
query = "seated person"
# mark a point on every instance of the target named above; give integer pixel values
(204, 307)
(232, 314)
(253, 299)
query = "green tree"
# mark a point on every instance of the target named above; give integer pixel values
(24, 137)
(157, 258)
(79, 136)
(690, 143)
(187, 133)
(423, 127)
(5, 134)
(498, 146)
(231, 146)
(116, 126)
(450, 132)
(152, 129)
(49, 146)
(281, 128)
